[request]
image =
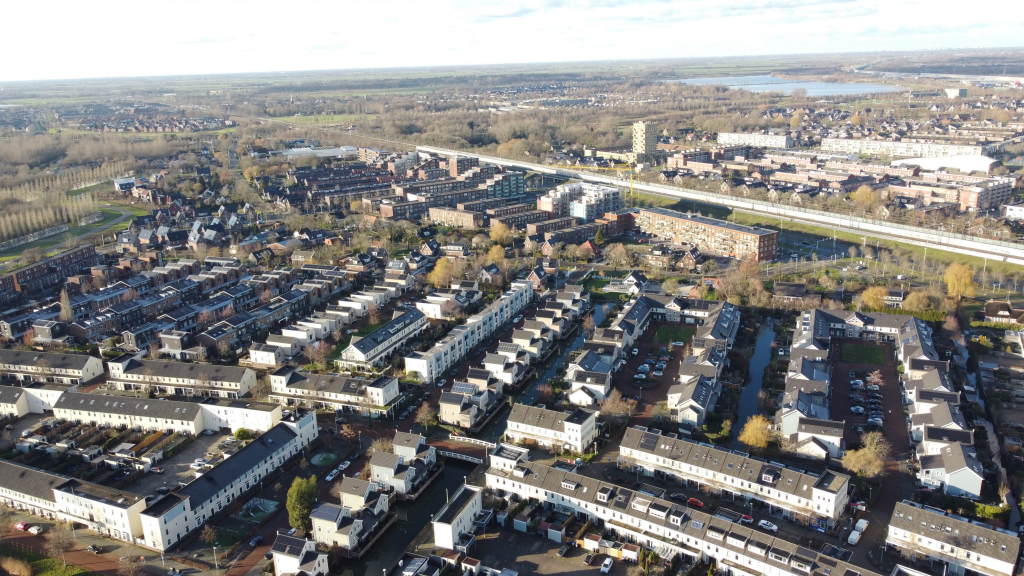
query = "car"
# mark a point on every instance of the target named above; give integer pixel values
(766, 525)
(856, 409)
(644, 368)
(658, 373)
(635, 351)
(606, 566)
(875, 422)
(22, 526)
(746, 519)
(650, 361)
(157, 470)
(876, 416)
(660, 366)
(269, 555)
(196, 466)
(665, 358)
(345, 465)
(517, 318)
(856, 399)
(695, 503)
(332, 475)
(679, 343)
(873, 387)
(640, 376)
(875, 395)
(121, 476)
(453, 372)
(94, 549)
(679, 496)
(588, 559)
(563, 550)
(26, 433)
(340, 421)
(163, 490)
(37, 530)
(856, 382)
(292, 531)
(256, 541)
(200, 460)
(853, 374)
(442, 382)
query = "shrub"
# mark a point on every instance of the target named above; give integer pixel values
(15, 567)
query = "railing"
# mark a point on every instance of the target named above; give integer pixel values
(469, 440)
(459, 456)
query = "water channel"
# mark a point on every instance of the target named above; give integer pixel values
(765, 83)
(412, 518)
(749, 404)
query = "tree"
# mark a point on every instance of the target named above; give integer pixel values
(874, 298)
(599, 237)
(6, 518)
(589, 326)
(244, 434)
(301, 498)
(426, 415)
(384, 445)
(208, 535)
(670, 286)
(266, 296)
(67, 314)
(131, 565)
(59, 540)
(755, 432)
(441, 275)
(530, 247)
(584, 252)
(261, 390)
(869, 461)
(501, 234)
(853, 251)
(130, 295)
(864, 197)
(374, 313)
(615, 406)
(496, 255)
(959, 280)
(917, 301)
(319, 354)
(451, 308)
(204, 319)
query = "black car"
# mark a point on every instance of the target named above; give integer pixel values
(563, 550)
(588, 559)
(875, 395)
(256, 541)
(94, 549)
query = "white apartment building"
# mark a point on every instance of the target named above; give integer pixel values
(668, 528)
(33, 366)
(294, 555)
(353, 524)
(756, 139)
(373, 349)
(899, 148)
(953, 540)
(596, 201)
(186, 417)
(722, 472)
(290, 386)
(557, 201)
(451, 350)
(182, 379)
(574, 431)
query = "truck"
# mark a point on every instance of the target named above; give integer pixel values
(858, 531)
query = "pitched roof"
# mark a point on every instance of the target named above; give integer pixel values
(128, 406)
(55, 361)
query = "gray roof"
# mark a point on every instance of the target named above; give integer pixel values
(30, 481)
(248, 457)
(355, 486)
(949, 435)
(10, 394)
(978, 538)
(709, 221)
(129, 406)
(187, 371)
(384, 459)
(547, 419)
(385, 332)
(56, 361)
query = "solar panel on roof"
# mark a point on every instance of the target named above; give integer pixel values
(463, 388)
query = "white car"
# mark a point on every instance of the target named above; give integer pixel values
(856, 409)
(658, 373)
(766, 525)
(640, 376)
(332, 475)
(635, 352)
(856, 382)
(873, 387)
(679, 344)
(196, 466)
(606, 566)
(200, 460)
(35, 530)
(517, 318)
(344, 465)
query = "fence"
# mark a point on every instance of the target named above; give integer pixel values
(918, 236)
(469, 440)
(90, 218)
(37, 235)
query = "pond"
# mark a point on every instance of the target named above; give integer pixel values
(773, 84)
(749, 404)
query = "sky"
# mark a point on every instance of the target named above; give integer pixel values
(48, 39)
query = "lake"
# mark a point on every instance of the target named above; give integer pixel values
(766, 83)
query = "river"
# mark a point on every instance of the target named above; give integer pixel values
(412, 518)
(749, 404)
(767, 83)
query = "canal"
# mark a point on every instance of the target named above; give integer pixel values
(749, 404)
(547, 372)
(412, 518)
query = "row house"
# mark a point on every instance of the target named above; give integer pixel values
(293, 387)
(407, 467)
(360, 517)
(182, 379)
(574, 431)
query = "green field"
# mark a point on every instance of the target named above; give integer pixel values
(667, 334)
(864, 353)
(43, 565)
(51, 244)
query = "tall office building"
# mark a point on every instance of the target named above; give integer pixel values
(645, 141)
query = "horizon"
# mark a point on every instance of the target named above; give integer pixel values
(315, 38)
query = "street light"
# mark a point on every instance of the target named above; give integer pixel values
(215, 565)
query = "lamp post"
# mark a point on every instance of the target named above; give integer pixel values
(215, 565)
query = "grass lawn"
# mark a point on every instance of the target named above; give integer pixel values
(50, 243)
(864, 353)
(595, 284)
(667, 334)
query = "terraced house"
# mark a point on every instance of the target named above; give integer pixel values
(574, 431)
(362, 514)
(668, 528)
(129, 373)
(33, 366)
(293, 387)
(798, 494)
(373, 349)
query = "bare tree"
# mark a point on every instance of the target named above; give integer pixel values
(59, 540)
(426, 415)
(262, 388)
(319, 354)
(385, 445)
(6, 516)
(131, 565)
(615, 406)
(589, 326)
(130, 295)
(374, 313)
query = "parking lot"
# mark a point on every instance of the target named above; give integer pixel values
(530, 554)
(177, 468)
(890, 404)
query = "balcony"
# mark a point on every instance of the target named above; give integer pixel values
(465, 543)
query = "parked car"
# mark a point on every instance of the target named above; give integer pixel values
(875, 395)
(442, 382)
(196, 466)
(157, 470)
(635, 351)
(873, 387)
(640, 376)
(606, 566)
(856, 382)
(200, 460)
(649, 361)
(746, 519)
(766, 525)
(563, 550)
(22, 526)
(679, 343)
(162, 490)
(588, 559)
(644, 368)
(37, 530)
(256, 541)
(332, 475)
(517, 318)
(695, 503)
(853, 374)
(856, 409)
(679, 496)
(658, 373)
(94, 549)
(875, 422)
(344, 465)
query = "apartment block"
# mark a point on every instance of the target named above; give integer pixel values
(573, 234)
(899, 148)
(457, 218)
(455, 523)
(645, 142)
(539, 228)
(521, 220)
(293, 387)
(183, 379)
(595, 202)
(33, 366)
(756, 139)
(711, 235)
(557, 201)
(452, 349)
(372, 350)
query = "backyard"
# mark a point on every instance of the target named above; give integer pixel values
(666, 334)
(864, 354)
